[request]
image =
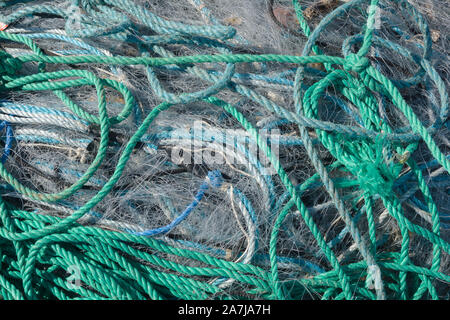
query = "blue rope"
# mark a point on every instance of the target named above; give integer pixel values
(214, 179)
(9, 140)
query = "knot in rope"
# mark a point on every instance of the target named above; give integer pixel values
(374, 169)
(8, 65)
(375, 178)
(355, 63)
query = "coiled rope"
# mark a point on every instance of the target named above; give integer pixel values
(130, 264)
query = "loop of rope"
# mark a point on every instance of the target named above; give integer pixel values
(363, 154)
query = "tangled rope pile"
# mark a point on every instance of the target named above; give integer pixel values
(373, 171)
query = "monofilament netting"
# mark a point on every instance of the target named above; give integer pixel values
(206, 149)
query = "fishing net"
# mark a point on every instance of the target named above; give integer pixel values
(205, 149)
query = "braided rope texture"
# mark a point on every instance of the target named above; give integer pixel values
(38, 251)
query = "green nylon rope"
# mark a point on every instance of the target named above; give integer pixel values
(112, 263)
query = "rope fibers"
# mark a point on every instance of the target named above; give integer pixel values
(191, 150)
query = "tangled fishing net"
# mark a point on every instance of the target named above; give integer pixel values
(205, 149)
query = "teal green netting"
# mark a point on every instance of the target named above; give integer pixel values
(40, 254)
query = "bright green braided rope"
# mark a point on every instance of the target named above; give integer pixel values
(35, 249)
